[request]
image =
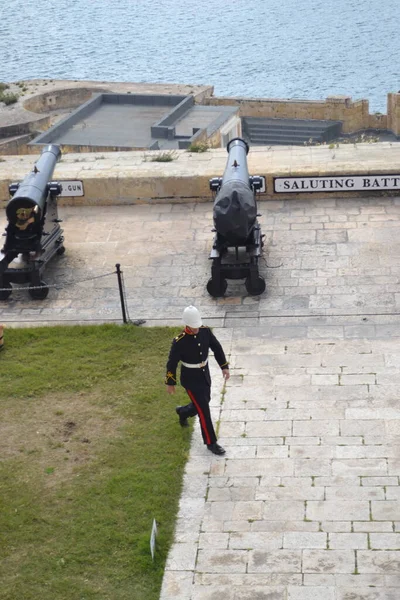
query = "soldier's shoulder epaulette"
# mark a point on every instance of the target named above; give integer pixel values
(180, 336)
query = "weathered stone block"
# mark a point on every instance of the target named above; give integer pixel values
(348, 541)
(359, 467)
(380, 561)
(276, 561)
(222, 561)
(328, 561)
(263, 540)
(388, 510)
(311, 593)
(338, 510)
(298, 540)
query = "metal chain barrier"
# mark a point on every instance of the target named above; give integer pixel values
(58, 286)
(121, 285)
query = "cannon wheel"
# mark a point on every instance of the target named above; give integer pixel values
(255, 288)
(6, 291)
(216, 288)
(60, 250)
(39, 294)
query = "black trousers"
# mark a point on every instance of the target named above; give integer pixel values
(200, 396)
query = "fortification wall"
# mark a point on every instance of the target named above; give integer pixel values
(37, 111)
(354, 115)
(114, 178)
(393, 113)
(59, 98)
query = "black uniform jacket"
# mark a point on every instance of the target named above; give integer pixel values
(193, 349)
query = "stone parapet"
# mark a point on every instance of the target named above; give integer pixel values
(354, 115)
(133, 177)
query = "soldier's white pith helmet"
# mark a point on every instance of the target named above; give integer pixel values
(191, 317)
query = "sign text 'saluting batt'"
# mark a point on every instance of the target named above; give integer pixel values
(346, 183)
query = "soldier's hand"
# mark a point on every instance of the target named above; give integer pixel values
(226, 374)
(171, 389)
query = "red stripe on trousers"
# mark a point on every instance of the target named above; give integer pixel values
(201, 415)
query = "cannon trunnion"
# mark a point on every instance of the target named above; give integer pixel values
(33, 234)
(238, 243)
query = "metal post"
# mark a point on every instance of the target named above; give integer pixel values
(121, 292)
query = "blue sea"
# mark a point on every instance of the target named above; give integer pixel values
(255, 48)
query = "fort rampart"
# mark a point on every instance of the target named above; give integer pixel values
(132, 177)
(43, 103)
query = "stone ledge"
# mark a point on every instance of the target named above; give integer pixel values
(131, 178)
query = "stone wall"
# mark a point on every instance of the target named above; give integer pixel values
(18, 146)
(24, 127)
(56, 99)
(130, 178)
(378, 121)
(354, 115)
(393, 113)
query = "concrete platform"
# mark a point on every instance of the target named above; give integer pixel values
(113, 126)
(111, 122)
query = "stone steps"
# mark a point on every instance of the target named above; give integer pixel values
(260, 131)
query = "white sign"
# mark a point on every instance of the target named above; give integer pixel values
(72, 188)
(344, 183)
(153, 539)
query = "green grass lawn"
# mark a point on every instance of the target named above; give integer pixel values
(90, 452)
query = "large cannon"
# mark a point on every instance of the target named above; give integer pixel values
(33, 234)
(236, 225)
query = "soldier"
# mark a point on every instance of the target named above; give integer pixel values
(191, 348)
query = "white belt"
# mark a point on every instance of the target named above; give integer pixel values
(195, 366)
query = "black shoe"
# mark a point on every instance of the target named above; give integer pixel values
(216, 449)
(183, 422)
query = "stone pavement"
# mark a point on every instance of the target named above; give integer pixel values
(323, 259)
(305, 504)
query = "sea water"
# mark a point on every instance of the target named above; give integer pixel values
(306, 49)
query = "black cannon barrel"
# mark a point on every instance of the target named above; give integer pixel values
(236, 167)
(235, 208)
(33, 190)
